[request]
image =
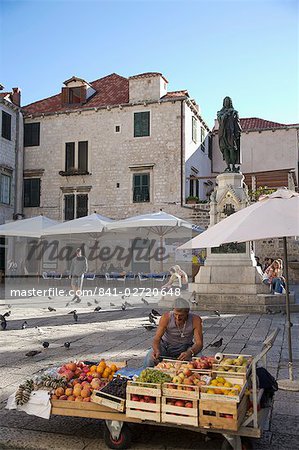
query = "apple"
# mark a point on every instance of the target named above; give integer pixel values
(135, 398)
(188, 405)
(179, 403)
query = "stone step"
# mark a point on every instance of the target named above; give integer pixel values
(246, 309)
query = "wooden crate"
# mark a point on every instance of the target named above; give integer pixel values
(142, 410)
(223, 415)
(180, 391)
(179, 415)
(238, 395)
(111, 401)
(217, 369)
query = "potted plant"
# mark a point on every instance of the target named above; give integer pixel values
(192, 200)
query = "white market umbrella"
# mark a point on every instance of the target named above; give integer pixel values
(94, 223)
(273, 216)
(160, 223)
(32, 227)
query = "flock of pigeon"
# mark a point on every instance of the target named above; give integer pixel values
(152, 323)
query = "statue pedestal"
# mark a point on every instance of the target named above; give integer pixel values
(229, 280)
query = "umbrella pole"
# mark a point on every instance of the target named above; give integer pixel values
(289, 324)
(288, 384)
(161, 261)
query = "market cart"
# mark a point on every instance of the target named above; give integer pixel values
(117, 434)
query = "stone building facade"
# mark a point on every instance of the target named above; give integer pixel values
(116, 146)
(270, 153)
(11, 161)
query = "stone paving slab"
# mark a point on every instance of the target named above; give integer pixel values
(120, 335)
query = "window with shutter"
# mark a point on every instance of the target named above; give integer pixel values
(69, 207)
(141, 187)
(69, 156)
(141, 124)
(83, 156)
(31, 134)
(32, 192)
(82, 205)
(5, 187)
(194, 129)
(6, 126)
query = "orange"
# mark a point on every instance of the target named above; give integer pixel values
(100, 369)
(113, 368)
(93, 368)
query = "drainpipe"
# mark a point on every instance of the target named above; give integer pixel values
(19, 165)
(182, 150)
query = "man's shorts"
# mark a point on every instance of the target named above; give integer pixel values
(77, 281)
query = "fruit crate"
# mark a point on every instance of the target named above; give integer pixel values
(180, 414)
(235, 395)
(223, 414)
(180, 391)
(111, 401)
(174, 364)
(219, 369)
(144, 410)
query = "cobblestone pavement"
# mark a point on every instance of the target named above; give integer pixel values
(119, 335)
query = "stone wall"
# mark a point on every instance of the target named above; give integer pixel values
(273, 248)
(113, 159)
(7, 160)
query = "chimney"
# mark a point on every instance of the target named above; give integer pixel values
(16, 96)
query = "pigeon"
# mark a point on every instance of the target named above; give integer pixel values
(24, 325)
(45, 344)
(194, 302)
(72, 312)
(217, 313)
(216, 344)
(144, 301)
(155, 313)
(3, 323)
(33, 353)
(123, 297)
(50, 298)
(112, 304)
(89, 304)
(152, 319)
(51, 309)
(123, 307)
(75, 315)
(149, 327)
(40, 330)
(97, 309)
(96, 301)
(7, 314)
(67, 345)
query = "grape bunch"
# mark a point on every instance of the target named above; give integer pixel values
(153, 376)
(116, 387)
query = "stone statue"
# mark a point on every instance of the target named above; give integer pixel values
(229, 135)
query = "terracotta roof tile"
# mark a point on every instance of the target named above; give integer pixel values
(254, 123)
(148, 75)
(110, 90)
(4, 94)
(176, 94)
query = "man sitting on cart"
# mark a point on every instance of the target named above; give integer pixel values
(179, 335)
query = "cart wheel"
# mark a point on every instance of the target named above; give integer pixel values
(123, 441)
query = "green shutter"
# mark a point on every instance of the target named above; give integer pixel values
(83, 156)
(69, 156)
(141, 124)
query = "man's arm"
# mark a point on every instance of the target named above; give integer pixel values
(198, 340)
(159, 333)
